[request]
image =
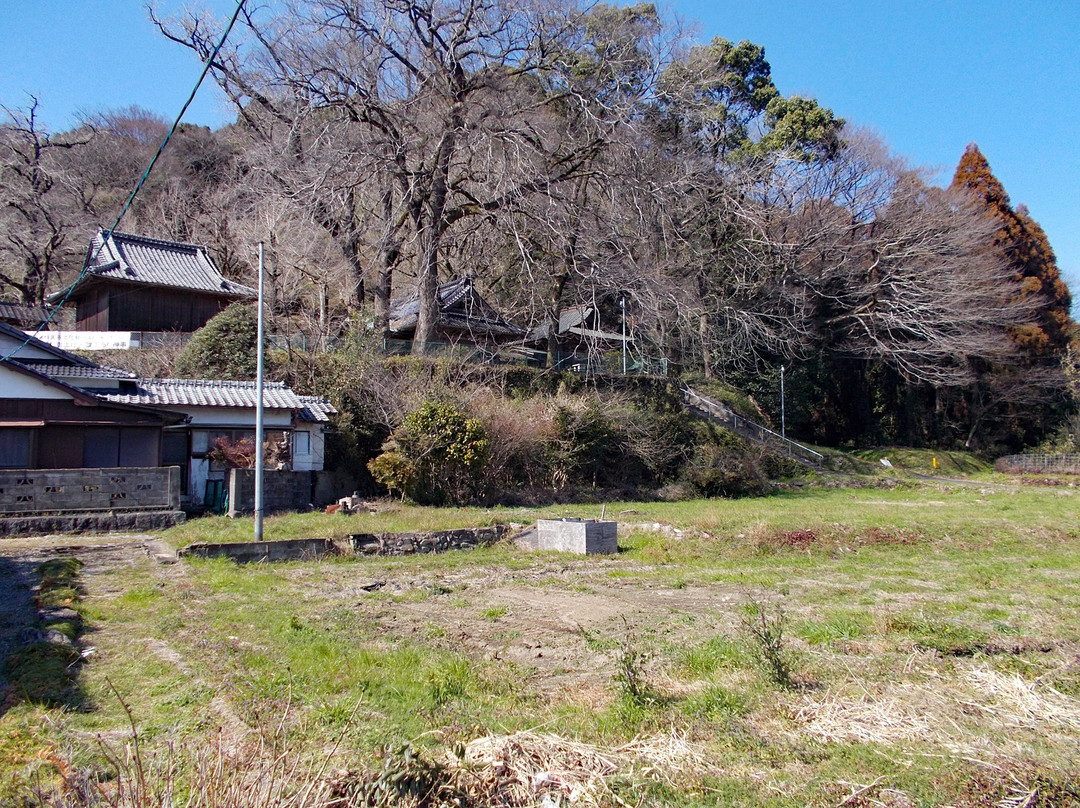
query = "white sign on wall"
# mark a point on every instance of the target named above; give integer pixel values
(88, 340)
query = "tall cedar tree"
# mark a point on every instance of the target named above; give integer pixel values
(1028, 252)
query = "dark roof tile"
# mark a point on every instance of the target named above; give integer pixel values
(138, 259)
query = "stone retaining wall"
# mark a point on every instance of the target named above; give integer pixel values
(436, 541)
(393, 544)
(136, 521)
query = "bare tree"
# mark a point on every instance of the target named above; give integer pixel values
(39, 209)
(436, 99)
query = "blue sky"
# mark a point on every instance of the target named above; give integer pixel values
(929, 76)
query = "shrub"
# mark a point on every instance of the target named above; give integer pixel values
(394, 470)
(724, 466)
(765, 627)
(435, 456)
(520, 432)
(224, 348)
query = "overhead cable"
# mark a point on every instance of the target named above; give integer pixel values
(106, 234)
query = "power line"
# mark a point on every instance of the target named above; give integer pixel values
(106, 234)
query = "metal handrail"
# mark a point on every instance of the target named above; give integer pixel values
(729, 415)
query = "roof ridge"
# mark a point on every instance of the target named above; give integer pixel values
(215, 382)
(116, 234)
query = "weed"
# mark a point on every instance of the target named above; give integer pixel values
(717, 702)
(43, 673)
(494, 613)
(717, 653)
(765, 626)
(404, 777)
(837, 627)
(449, 681)
(948, 639)
(630, 669)
(594, 641)
(1022, 784)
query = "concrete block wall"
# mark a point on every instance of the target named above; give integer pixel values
(282, 491)
(26, 491)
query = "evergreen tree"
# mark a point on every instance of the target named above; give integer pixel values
(1028, 251)
(226, 348)
(1031, 392)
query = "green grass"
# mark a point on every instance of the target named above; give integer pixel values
(893, 599)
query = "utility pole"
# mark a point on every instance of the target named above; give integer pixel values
(259, 411)
(622, 304)
(783, 426)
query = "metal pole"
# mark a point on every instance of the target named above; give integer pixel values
(783, 426)
(622, 303)
(259, 412)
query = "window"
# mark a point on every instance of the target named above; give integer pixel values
(14, 448)
(301, 443)
(200, 442)
(237, 449)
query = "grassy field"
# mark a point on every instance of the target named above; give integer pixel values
(913, 644)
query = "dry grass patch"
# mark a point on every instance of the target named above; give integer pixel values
(964, 713)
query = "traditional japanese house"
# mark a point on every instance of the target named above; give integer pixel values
(464, 317)
(580, 335)
(52, 415)
(60, 410)
(224, 411)
(139, 284)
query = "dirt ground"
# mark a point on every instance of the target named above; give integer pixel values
(20, 558)
(559, 620)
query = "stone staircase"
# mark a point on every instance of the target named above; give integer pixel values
(705, 407)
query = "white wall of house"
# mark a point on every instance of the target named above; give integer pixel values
(308, 437)
(232, 417)
(25, 352)
(18, 385)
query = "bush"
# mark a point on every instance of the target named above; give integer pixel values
(520, 434)
(225, 348)
(723, 465)
(435, 456)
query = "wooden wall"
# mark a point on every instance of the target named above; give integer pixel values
(134, 308)
(74, 437)
(92, 310)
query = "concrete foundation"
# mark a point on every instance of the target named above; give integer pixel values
(247, 552)
(581, 536)
(387, 544)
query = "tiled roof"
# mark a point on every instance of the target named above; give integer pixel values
(59, 370)
(460, 308)
(205, 393)
(568, 318)
(138, 259)
(22, 314)
(32, 342)
(316, 410)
